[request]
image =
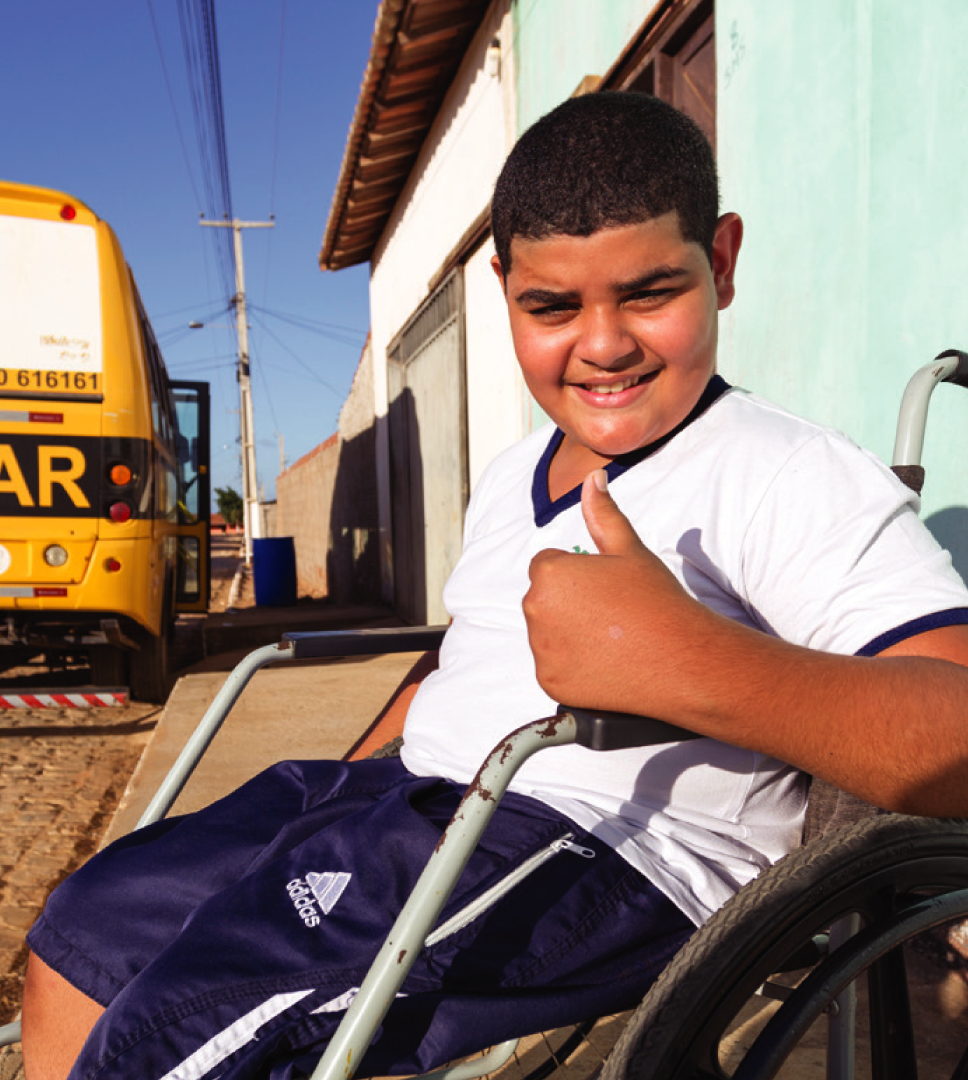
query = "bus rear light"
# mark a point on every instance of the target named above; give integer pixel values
(120, 475)
(55, 555)
(67, 212)
(112, 565)
(119, 512)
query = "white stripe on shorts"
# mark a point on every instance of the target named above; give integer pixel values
(232, 1038)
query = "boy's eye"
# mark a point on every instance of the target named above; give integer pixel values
(550, 311)
(648, 296)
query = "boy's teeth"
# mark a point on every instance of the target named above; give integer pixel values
(611, 388)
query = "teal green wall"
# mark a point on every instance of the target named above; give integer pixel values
(558, 42)
(842, 142)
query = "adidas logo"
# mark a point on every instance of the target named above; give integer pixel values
(317, 894)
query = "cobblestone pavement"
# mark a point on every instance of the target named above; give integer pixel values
(62, 772)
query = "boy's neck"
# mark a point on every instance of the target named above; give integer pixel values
(570, 465)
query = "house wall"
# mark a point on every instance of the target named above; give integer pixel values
(559, 42)
(448, 189)
(841, 143)
(498, 402)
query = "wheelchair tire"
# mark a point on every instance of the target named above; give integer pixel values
(876, 868)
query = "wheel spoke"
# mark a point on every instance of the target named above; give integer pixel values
(893, 1055)
(961, 1072)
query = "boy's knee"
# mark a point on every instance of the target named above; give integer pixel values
(57, 1018)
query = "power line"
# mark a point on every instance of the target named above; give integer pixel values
(275, 147)
(314, 375)
(200, 46)
(171, 100)
(346, 335)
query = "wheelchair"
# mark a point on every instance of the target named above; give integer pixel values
(837, 910)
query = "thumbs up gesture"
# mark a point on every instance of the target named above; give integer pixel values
(604, 628)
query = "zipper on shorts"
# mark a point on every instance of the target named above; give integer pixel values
(490, 897)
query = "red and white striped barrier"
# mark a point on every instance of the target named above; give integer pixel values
(81, 697)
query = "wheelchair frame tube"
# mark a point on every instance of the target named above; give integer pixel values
(435, 884)
(949, 366)
(207, 728)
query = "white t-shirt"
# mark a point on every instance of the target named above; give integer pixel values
(773, 521)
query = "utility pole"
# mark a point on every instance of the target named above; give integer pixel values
(251, 518)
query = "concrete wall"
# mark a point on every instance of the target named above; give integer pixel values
(304, 499)
(327, 502)
(841, 142)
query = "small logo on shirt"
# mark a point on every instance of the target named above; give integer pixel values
(317, 894)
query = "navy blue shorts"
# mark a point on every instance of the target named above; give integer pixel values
(228, 942)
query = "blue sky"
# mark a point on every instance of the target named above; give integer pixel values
(86, 108)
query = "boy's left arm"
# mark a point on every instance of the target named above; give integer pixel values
(892, 729)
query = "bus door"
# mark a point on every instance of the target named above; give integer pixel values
(194, 572)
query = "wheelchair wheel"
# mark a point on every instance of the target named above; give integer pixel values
(900, 875)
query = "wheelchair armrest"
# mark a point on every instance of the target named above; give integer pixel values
(601, 730)
(315, 644)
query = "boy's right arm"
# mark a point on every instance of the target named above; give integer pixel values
(389, 724)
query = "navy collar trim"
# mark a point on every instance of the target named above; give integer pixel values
(546, 510)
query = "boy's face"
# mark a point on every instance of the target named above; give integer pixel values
(616, 332)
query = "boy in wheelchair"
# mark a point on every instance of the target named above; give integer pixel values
(756, 563)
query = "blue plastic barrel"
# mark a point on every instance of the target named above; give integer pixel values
(274, 571)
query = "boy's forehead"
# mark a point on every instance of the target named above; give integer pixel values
(644, 244)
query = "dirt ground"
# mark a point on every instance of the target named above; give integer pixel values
(62, 773)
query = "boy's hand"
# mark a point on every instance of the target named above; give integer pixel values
(594, 619)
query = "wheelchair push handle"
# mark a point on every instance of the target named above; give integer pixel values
(959, 374)
(598, 729)
(948, 366)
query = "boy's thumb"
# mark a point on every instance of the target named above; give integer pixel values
(609, 527)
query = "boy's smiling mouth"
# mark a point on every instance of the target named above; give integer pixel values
(617, 387)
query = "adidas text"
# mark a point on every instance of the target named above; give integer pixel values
(304, 901)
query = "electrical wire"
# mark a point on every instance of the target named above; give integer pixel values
(200, 46)
(314, 375)
(346, 335)
(275, 147)
(171, 100)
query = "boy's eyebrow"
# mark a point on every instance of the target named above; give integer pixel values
(541, 297)
(649, 278)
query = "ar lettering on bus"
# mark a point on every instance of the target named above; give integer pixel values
(51, 472)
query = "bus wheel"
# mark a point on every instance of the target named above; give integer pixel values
(151, 674)
(109, 666)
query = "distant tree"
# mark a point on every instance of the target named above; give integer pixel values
(230, 505)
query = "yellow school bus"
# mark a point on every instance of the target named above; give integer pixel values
(104, 460)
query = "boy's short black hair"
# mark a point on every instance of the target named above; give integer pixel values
(604, 160)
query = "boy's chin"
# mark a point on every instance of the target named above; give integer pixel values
(604, 449)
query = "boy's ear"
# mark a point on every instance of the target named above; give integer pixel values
(726, 245)
(496, 267)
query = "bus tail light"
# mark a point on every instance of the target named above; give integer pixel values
(119, 512)
(120, 474)
(112, 565)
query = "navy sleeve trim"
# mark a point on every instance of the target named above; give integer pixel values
(951, 617)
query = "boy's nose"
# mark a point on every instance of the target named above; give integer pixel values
(605, 341)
